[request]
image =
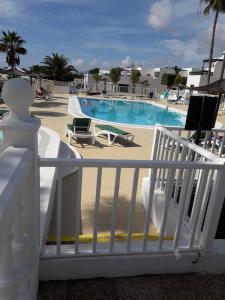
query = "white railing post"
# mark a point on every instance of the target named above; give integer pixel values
(20, 130)
(9, 277)
(155, 144)
(214, 209)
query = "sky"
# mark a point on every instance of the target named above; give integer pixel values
(106, 33)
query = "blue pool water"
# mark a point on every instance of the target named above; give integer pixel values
(130, 112)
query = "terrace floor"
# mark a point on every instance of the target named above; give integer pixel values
(53, 114)
(161, 287)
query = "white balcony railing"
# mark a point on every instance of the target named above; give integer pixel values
(198, 192)
(213, 140)
(182, 197)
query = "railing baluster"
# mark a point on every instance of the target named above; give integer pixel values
(177, 150)
(189, 193)
(78, 209)
(168, 197)
(159, 181)
(96, 212)
(197, 206)
(114, 210)
(214, 141)
(187, 176)
(132, 207)
(156, 144)
(205, 201)
(207, 135)
(214, 207)
(221, 146)
(180, 174)
(159, 146)
(160, 155)
(149, 207)
(59, 215)
(172, 150)
(192, 178)
(166, 158)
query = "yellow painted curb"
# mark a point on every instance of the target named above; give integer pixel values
(106, 237)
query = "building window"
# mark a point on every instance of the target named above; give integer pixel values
(123, 88)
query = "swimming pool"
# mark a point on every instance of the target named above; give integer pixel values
(130, 112)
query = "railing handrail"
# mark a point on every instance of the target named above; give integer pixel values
(189, 145)
(183, 129)
(112, 163)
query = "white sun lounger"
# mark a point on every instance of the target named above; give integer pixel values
(109, 131)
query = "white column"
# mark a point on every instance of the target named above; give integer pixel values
(20, 130)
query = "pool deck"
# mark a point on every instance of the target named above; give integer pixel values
(53, 114)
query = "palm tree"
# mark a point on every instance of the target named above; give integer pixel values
(97, 78)
(114, 76)
(177, 70)
(12, 44)
(57, 67)
(36, 69)
(217, 6)
(135, 77)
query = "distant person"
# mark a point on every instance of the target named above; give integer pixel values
(166, 94)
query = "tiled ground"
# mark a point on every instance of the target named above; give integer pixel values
(161, 287)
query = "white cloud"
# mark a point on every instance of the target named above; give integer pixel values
(204, 43)
(183, 51)
(161, 14)
(9, 8)
(78, 62)
(94, 63)
(126, 62)
(193, 50)
(186, 8)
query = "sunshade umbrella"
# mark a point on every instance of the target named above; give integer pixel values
(14, 72)
(217, 87)
(35, 75)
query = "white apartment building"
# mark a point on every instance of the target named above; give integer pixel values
(152, 75)
(198, 77)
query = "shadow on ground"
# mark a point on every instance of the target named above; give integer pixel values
(48, 114)
(86, 143)
(120, 142)
(46, 104)
(122, 213)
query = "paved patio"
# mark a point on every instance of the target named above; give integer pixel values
(161, 287)
(53, 114)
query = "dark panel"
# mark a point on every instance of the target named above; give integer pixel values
(194, 113)
(202, 112)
